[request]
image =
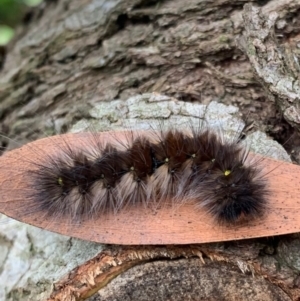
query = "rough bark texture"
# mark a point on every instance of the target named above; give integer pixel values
(234, 271)
(73, 55)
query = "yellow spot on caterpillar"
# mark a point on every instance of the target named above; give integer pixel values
(213, 160)
(60, 181)
(166, 160)
(193, 155)
(132, 168)
(227, 172)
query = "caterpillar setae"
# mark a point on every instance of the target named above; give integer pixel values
(146, 169)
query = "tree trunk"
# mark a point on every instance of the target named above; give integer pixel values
(72, 56)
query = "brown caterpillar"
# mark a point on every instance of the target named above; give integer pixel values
(153, 187)
(146, 168)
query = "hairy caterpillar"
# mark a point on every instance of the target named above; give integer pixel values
(84, 179)
(173, 165)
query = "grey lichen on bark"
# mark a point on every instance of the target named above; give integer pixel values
(33, 259)
(277, 67)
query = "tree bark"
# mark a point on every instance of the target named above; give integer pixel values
(74, 56)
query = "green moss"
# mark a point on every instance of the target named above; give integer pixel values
(224, 39)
